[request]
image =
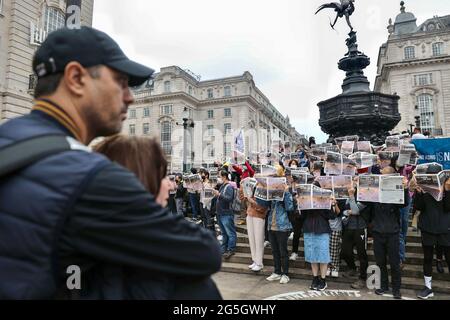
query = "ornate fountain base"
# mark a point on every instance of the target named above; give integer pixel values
(358, 110)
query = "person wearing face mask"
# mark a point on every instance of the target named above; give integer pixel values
(295, 219)
(205, 203)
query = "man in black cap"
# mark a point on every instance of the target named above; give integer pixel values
(72, 223)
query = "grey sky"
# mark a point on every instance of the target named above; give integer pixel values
(291, 53)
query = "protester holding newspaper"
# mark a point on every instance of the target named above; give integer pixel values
(355, 235)
(316, 233)
(225, 215)
(279, 228)
(206, 197)
(386, 235)
(434, 224)
(256, 216)
(243, 172)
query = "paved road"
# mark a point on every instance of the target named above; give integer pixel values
(235, 286)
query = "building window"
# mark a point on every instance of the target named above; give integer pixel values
(423, 79)
(166, 110)
(210, 130)
(1, 6)
(146, 112)
(167, 86)
(132, 113)
(410, 52)
(53, 19)
(166, 137)
(227, 128)
(425, 102)
(210, 94)
(145, 128)
(190, 90)
(438, 48)
(227, 112)
(210, 150)
(227, 91)
(210, 114)
(132, 130)
(227, 149)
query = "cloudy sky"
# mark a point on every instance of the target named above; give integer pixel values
(291, 53)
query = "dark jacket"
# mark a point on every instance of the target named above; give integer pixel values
(223, 204)
(385, 217)
(79, 208)
(357, 220)
(181, 191)
(316, 221)
(434, 215)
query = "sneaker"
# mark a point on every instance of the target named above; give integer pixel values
(274, 277)
(439, 266)
(315, 283)
(334, 273)
(284, 279)
(266, 244)
(291, 236)
(397, 294)
(228, 254)
(322, 285)
(252, 265)
(350, 273)
(425, 293)
(328, 272)
(380, 291)
(241, 222)
(360, 284)
(257, 268)
(293, 256)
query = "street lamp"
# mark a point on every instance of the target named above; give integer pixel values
(186, 123)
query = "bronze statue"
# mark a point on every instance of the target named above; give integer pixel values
(345, 8)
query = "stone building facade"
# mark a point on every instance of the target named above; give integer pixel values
(24, 24)
(217, 109)
(415, 64)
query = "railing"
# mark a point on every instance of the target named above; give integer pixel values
(32, 82)
(37, 35)
(139, 95)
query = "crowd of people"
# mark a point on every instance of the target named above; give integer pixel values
(137, 232)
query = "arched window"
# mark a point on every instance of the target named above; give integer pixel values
(167, 86)
(53, 19)
(425, 103)
(166, 137)
(438, 48)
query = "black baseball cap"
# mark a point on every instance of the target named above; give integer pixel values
(89, 47)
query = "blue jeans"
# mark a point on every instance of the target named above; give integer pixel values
(228, 230)
(194, 200)
(404, 223)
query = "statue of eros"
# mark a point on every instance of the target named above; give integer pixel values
(345, 8)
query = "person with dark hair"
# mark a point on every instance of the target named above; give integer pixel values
(180, 194)
(312, 141)
(316, 234)
(434, 225)
(194, 200)
(225, 215)
(205, 203)
(386, 238)
(81, 208)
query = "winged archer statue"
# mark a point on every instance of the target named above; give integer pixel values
(345, 8)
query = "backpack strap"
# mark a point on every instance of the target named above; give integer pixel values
(19, 155)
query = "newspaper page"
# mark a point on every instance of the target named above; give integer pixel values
(364, 159)
(264, 170)
(333, 163)
(364, 146)
(196, 182)
(432, 184)
(261, 189)
(320, 153)
(347, 147)
(341, 185)
(393, 143)
(392, 190)
(332, 148)
(321, 198)
(423, 168)
(348, 167)
(207, 193)
(304, 197)
(326, 182)
(368, 188)
(248, 187)
(385, 158)
(408, 155)
(276, 188)
(299, 177)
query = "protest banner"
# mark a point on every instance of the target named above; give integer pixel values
(433, 150)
